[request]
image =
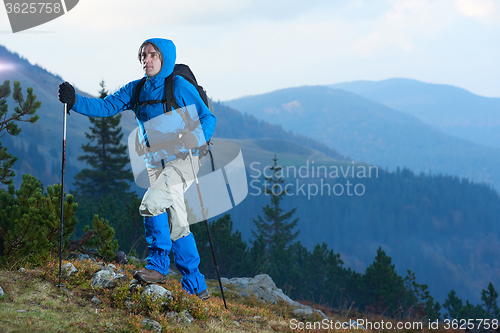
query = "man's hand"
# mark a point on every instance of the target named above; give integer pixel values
(67, 94)
(188, 141)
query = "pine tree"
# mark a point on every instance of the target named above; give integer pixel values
(103, 240)
(258, 257)
(489, 297)
(30, 220)
(25, 109)
(108, 159)
(274, 227)
(274, 230)
(454, 305)
(384, 288)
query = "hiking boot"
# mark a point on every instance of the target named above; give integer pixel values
(203, 295)
(150, 276)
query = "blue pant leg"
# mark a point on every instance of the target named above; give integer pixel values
(187, 259)
(158, 238)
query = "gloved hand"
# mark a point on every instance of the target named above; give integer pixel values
(188, 141)
(67, 94)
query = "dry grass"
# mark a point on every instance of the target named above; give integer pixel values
(33, 303)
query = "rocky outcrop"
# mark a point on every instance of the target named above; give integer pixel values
(264, 289)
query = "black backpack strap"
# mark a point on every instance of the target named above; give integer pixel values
(138, 89)
(172, 102)
(169, 93)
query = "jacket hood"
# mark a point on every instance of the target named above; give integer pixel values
(167, 49)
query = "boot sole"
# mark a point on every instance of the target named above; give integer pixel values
(203, 296)
(149, 281)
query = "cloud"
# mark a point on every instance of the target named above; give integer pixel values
(483, 10)
(114, 14)
(110, 15)
(404, 27)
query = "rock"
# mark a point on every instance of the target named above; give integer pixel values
(121, 258)
(319, 312)
(186, 317)
(128, 303)
(82, 257)
(137, 259)
(105, 279)
(351, 323)
(171, 314)
(264, 288)
(110, 268)
(158, 292)
(150, 324)
(2, 293)
(133, 285)
(303, 313)
(69, 269)
(217, 289)
(120, 277)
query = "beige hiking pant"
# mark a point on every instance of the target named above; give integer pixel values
(166, 194)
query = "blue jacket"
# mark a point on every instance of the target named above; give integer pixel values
(154, 89)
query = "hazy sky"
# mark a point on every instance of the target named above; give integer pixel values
(245, 47)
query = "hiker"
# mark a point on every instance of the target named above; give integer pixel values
(169, 170)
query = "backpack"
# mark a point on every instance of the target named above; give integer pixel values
(187, 74)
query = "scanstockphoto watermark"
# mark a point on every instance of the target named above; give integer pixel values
(328, 324)
(26, 14)
(312, 180)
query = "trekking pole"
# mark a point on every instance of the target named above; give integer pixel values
(62, 192)
(206, 225)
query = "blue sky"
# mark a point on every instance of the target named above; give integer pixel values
(245, 47)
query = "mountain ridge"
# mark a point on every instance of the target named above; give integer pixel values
(371, 132)
(453, 110)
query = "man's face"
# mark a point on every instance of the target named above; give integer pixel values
(151, 62)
